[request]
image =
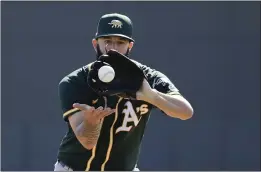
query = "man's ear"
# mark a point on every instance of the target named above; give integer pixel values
(94, 44)
(131, 45)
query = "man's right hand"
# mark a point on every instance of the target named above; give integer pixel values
(92, 115)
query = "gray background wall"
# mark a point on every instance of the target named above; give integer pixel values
(209, 49)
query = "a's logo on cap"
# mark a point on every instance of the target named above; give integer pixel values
(115, 24)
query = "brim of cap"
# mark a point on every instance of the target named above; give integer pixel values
(120, 35)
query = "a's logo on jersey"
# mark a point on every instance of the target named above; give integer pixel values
(116, 24)
(143, 109)
(130, 116)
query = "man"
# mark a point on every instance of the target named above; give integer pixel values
(105, 133)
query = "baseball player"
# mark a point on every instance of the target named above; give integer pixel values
(106, 121)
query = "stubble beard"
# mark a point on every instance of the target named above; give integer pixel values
(99, 53)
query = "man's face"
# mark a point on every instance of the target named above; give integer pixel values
(104, 44)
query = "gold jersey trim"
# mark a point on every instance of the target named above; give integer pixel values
(111, 137)
(88, 166)
(70, 112)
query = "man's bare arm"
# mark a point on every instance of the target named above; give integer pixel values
(87, 124)
(172, 105)
(89, 133)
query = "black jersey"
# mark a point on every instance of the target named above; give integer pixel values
(118, 146)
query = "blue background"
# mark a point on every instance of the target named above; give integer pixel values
(210, 50)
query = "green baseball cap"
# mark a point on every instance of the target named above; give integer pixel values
(114, 24)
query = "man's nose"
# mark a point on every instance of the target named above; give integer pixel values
(111, 46)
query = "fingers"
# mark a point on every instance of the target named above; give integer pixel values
(97, 111)
(81, 106)
(101, 113)
(106, 112)
(91, 112)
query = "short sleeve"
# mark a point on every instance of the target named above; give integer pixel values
(162, 83)
(73, 90)
(158, 80)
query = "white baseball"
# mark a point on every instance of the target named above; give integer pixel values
(106, 74)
